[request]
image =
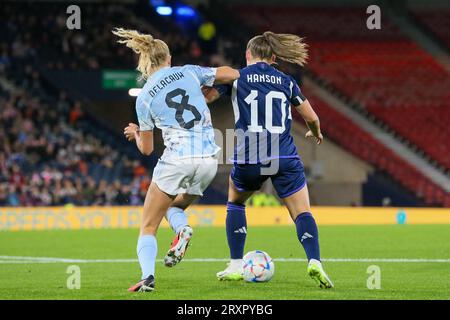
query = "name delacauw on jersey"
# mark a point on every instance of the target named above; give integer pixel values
(164, 82)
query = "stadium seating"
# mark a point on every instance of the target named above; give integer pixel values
(94, 47)
(384, 72)
(388, 75)
(435, 21)
(401, 86)
(47, 157)
(51, 151)
(360, 143)
(381, 70)
(84, 162)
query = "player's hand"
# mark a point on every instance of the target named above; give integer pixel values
(131, 131)
(211, 94)
(319, 138)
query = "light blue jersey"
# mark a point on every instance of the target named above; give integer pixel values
(172, 101)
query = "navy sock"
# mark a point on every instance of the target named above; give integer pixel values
(236, 229)
(308, 235)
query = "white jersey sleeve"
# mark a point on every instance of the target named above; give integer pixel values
(143, 114)
(205, 75)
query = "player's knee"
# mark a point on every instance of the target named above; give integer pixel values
(150, 224)
(235, 202)
(183, 201)
(235, 207)
(149, 230)
(233, 197)
(301, 212)
(238, 198)
(180, 205)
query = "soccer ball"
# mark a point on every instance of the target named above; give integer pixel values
(258, 267)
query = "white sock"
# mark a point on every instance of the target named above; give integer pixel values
(315, 261)
(236, 263)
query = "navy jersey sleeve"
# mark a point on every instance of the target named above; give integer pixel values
(223, 89)
(297, 96)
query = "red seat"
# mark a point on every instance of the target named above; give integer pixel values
(357, 141)
(436, 21)
(395, 80)
(383, 71)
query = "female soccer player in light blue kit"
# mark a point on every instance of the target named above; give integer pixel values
(262, 98)
(172, 101)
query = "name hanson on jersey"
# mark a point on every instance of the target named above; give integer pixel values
(164, 82)
(255, 78)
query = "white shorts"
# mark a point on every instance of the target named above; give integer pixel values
(191, 175)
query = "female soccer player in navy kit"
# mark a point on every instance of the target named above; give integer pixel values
(262, 99)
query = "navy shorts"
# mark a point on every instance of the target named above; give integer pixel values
(288, 179)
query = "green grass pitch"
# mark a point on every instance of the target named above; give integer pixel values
(196, 280)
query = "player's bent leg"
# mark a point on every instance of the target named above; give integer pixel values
(184, 200)
(155, 206)
(236, 227)
(204, 171)
(178, 221)
(308, 235)
(176, 216)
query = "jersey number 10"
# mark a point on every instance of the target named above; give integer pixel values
(252, 100)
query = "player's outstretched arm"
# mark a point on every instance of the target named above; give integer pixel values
(226, 75)
(144, 139)
(312, 121)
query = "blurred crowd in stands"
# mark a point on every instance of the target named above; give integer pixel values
(51, 151)
(44, 33)
(46, 158)
(47, 154)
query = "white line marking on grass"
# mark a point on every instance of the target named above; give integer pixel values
(8, 261)
(31, 260)
(393, 260)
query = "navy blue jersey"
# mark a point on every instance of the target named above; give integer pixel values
(262, 99)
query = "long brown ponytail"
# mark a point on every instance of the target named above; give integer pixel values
(287, 47)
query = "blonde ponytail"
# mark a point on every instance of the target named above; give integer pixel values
(287, 47)
(152, 52)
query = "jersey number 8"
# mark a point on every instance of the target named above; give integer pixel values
(180, 107)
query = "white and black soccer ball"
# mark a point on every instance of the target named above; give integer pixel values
(258, 266)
